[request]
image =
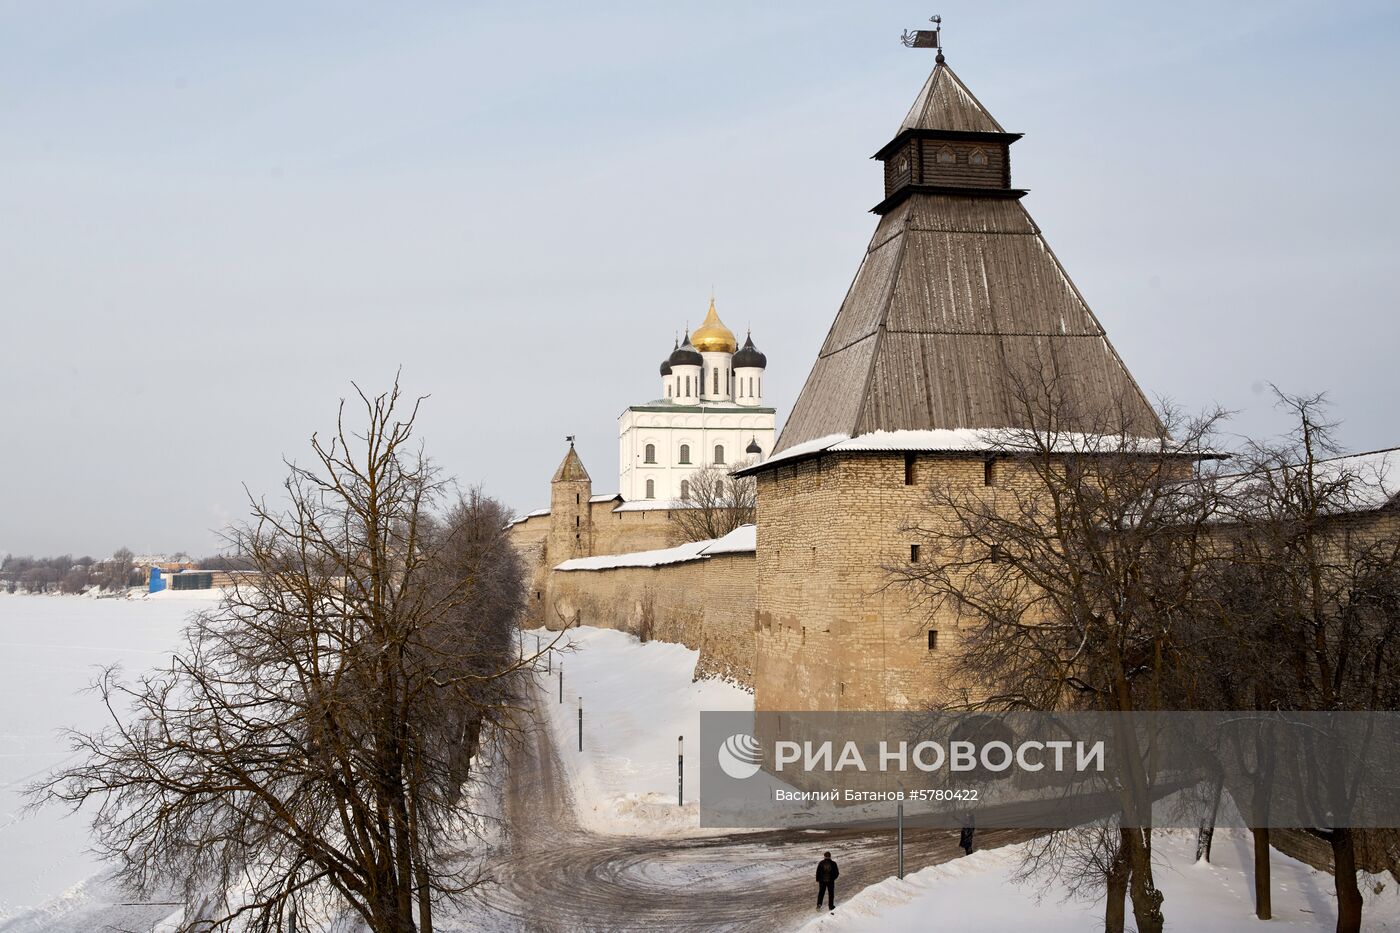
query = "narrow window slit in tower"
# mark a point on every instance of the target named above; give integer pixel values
(908, 469)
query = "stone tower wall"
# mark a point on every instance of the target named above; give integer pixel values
(832, 631)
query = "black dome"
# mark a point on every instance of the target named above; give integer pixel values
(753, 447)
(686, 355)
(748, 355)
(666, 367)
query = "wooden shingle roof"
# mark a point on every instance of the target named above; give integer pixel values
(570, 469)
(957, 295)
(945, 103)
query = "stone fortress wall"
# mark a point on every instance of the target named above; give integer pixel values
(706, 605)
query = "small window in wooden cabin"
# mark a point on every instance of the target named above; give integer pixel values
(946, 156)
(977, 157)
(578, 497)
(913, 553)
(908, 469)
(933, 639)
(989, 471)
(997, 554)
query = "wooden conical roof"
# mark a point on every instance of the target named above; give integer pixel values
(957, 297)
(945, 103)
(570, 469)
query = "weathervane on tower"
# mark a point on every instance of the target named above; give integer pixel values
(926, 38)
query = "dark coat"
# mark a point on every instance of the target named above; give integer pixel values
(827, 870)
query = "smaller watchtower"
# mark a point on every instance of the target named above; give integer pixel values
(570, 521)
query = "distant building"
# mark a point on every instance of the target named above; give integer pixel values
(710, 413)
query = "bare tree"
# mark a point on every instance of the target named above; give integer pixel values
(302, 754)
(713, 503)
(1313, 599)
(1072, 577)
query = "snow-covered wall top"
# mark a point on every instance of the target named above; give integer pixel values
(741, 540)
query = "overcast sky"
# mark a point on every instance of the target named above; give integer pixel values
(213, 217)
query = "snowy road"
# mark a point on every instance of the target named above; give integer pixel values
(555, 876)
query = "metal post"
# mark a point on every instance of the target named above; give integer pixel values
(561, 684)
(580, 723)
(680, 770)
(549, 661)
(899, 822)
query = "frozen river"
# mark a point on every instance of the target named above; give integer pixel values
(51, 648)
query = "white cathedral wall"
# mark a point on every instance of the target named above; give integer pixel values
(748, 386)
(731, 428)
(687, 393)
(717, 364)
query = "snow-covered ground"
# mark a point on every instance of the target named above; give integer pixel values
(977, 894)
(637, 698)
(51, 648)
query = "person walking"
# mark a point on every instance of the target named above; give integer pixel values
(827, 873)
(965, 837)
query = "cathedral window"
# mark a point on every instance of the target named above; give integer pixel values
(977, 157)
(685, 489)
(719, 489)
(651, 489)
(714, 382)
(687, 386)
(651, 453)
(668, 390)
(719, 453)
(685, 453)
(946, 156)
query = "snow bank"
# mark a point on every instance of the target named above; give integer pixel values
(637, 698)
(51, 648)
(977, 893)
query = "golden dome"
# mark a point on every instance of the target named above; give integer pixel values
(712, 336)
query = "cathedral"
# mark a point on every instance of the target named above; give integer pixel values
(710, 412)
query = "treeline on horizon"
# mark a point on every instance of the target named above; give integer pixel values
(65, 573)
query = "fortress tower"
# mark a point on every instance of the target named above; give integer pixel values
(957, 298)
(571, 520)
